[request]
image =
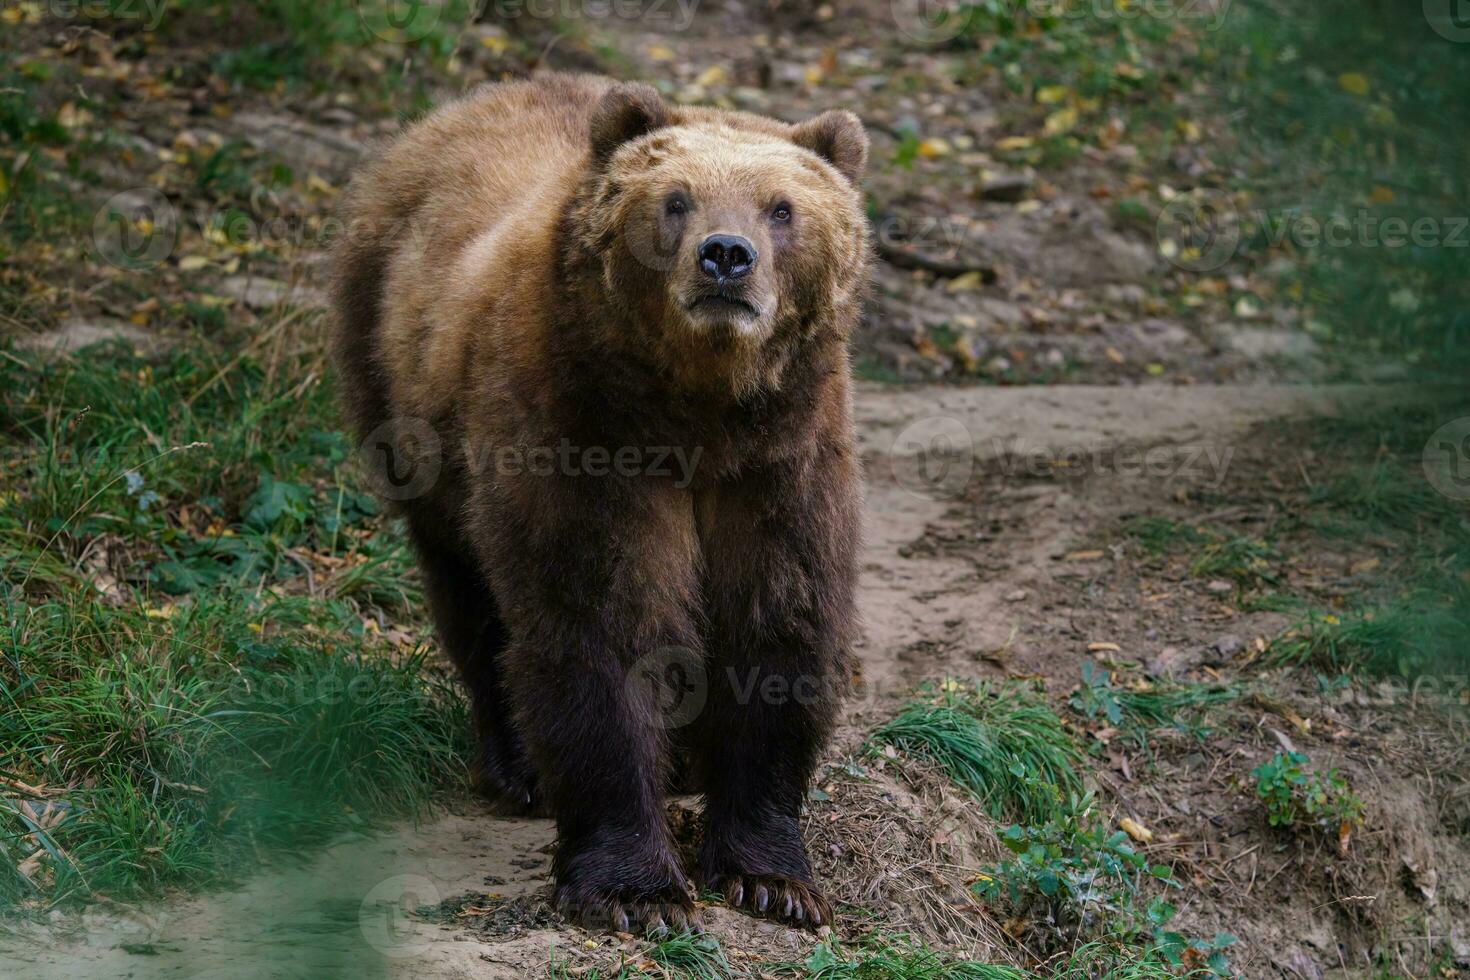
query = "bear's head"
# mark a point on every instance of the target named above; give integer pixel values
(724, 235)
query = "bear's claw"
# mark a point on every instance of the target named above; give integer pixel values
(652, 915)
(784, 899)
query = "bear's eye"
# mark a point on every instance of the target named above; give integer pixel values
(676, 205)
(781, 213)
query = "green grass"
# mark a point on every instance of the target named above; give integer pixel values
(881, 957)
(684, 956)
(1137, 710)
(1002, 743)
(177, 694)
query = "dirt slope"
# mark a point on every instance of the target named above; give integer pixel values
(930, 611)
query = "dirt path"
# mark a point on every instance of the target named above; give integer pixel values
(929, 611)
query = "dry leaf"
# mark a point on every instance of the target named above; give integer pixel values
(1136, 830)
(1061, 121)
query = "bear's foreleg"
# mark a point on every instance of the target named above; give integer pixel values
(596, 578)
(779, 587)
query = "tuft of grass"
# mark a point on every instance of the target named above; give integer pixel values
(192, 669)
(148, 750)
(1137, 709)
(883, 957)
(681, 956)
(1002, 743)
(1414, 635)
(1246, 561)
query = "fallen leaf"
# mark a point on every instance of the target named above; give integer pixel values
(1082, 556)
(1103, 647)
(931, 148)
(1051, 94)
(965, 282)
(713, 75)
(1136, 830)
(1061, 121)
(1014, 143)
(1354, 82)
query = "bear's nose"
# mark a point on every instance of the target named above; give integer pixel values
(726, 257)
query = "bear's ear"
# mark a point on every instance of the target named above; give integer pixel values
(837, 137)
(626, 111)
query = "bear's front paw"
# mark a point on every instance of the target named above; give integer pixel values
(784, 899)
(656, 913)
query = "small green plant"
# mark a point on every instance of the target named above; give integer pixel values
(1002, 743)
(1084, 881)
(1080, 873)
(1295, 796)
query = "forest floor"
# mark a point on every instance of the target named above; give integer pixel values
(1162, 613)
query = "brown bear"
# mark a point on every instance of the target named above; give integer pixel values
(545, 293)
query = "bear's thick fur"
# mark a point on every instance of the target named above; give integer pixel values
(598, 344)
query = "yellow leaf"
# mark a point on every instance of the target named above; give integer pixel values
(1083, 556)
(1103, 648)
(931, 148)
(1354, 82)
(1014, 143)
(1051, 94)
(1155, 369)
(713, 75)
(967, 281)
(1136, 830)
(1381, 195)
(193, 263)
(1061, 121)
(495, 43)
(1115, 355)
(813, 74)
(661, 52)
(1190, 130)
(4, 183)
